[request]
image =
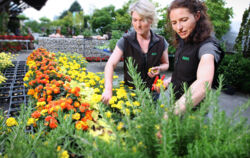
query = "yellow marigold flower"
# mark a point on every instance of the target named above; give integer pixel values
(11, 122)
(157, 127)
(149, 70)
(127, 111)
(166, 109)
(128, 103)
(114, 77)
(136, 103)
(64, 154)
(113, 100)
(76, 116)
(58, 148)
(44, 111)
(132, 94)
(120, 126)
(140, 143)
(66, 116)
(25, 79)
(96, 90)
(108, 114)
(31, 121)
(40, 103)
(138, 126)
(78, 126)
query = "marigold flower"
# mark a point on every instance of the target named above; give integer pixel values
(76, 116)
(136, 103)
(31, 121)
(76, 104)
(53, 124)
(36, 114)
(82, 108)
(81, 125)
(31, 92)
(11, 122)
(64, 154)
(132, 94)
(120, 126)
(108, 114)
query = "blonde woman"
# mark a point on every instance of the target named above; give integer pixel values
(146, 48)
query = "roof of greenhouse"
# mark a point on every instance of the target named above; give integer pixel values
(17, 6)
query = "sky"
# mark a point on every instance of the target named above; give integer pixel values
(54, 8)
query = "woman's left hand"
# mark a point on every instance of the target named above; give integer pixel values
(154, 71)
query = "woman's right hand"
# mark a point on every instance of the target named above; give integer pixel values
(165, 85)
(106, 96)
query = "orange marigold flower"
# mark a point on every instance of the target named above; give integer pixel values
(48, 118)
(82, 108)
(85, 104)
(49, 98)
(53, 124)
(36, 114)
(69, 100)
(57, 90)
(49, 91)
(31, 92)
(81, 125)
(76, 104)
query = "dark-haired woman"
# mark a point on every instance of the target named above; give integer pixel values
(197, 54)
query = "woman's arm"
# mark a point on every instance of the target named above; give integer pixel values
(108, 73)
(205, 74)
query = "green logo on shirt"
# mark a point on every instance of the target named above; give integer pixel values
(154, 53)
(185, 58)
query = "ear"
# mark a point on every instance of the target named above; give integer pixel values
(197, 15)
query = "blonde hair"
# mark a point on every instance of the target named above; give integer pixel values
(145, 9)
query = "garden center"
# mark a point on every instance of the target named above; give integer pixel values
(52, 82)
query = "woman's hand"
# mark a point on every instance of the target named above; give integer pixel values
(106, 96)
(165, 85)
(154, 71)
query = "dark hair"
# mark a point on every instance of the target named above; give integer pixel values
(203, 26)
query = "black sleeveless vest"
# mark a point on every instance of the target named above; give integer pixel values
(186, 64)
(143, 61)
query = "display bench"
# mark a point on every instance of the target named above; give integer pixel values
(25, 42)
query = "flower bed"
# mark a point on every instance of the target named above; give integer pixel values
(70, 121)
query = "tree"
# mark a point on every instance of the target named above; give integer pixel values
(86, 20)
(75, 7)
(4, 16)
(165, 26)
(22, 17)
(34, 25)
(242, 42)
(122, 20)
(45, 25)
(102, 19)
(220, 16)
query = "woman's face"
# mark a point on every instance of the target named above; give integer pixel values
(141, 25)
(183, 22)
